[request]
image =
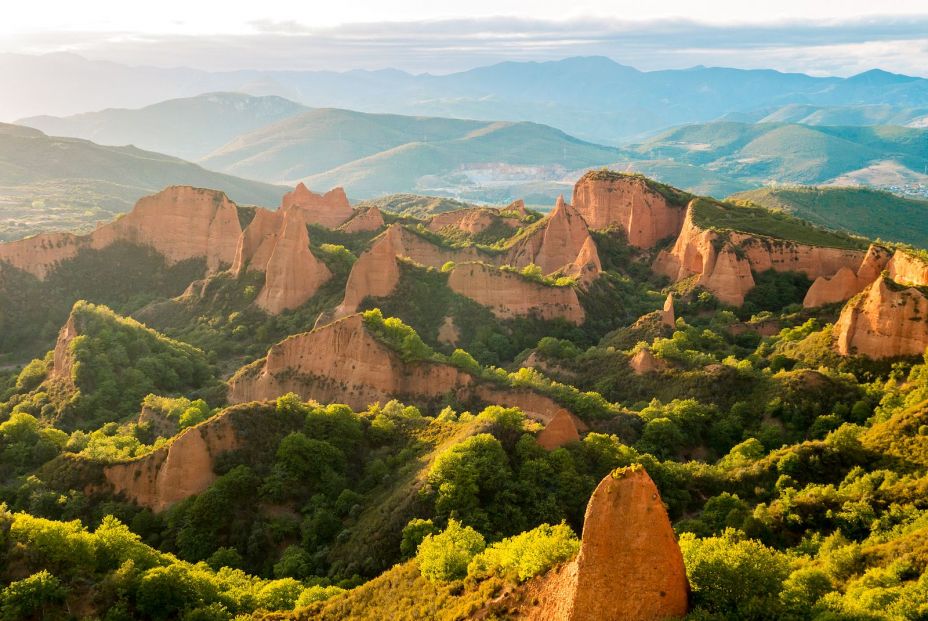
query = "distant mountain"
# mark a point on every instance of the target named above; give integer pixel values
(791, 153)
(864, 211)
(189, 128)
(590, 97)
(867, 114)
(69, 184)
(376, 154)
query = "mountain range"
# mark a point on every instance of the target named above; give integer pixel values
(593, 98)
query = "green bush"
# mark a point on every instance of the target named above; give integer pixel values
(529, 554)
(31, 597)
(444, 557)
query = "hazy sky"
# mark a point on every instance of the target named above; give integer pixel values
(815, 36)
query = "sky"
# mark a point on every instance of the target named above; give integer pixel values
(821, 37)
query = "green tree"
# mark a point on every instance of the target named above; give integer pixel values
(445, 556)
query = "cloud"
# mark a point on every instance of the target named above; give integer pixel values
(838, 47)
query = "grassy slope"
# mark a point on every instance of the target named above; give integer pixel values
(52, 183)
(757, 220)
(863, 211)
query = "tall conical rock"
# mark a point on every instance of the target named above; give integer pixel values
(257, 242)
(293, 274)
(846, 283)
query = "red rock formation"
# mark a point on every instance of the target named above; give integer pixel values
(179, 222)
(448, 332)
(470, 221)
(329, 210)
(845, 284)
(667, 315)
(63, 363)
(630, 567)
(886, 320)
(177, 470)
(644, 361)
(908, 269)
(257, 242)
(368, 220)
(560, 431)
(723, 263)
(627, 202)
(509, 295)
(342, 362)
(563, 245)
(518, 207)
(293, 274)
(376, 272)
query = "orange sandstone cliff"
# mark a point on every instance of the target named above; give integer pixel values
(180, 469)
(471, 221)
(329, 210)
(722, 262)
(627, 202)
(509, 295)
(180, 223)
(362, 221)
(886, 320)
(847, 283)
(908, 269)
(629, 568)
(559, 432)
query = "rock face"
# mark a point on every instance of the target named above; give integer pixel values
(342, 362)
(509, 295)
(908, 269)
(629, 568)
(329, 210)
(644, 361)
(177, 470)
(564, 245)
(63, 363)
(667, 315)
(847, 283)
(368, 220)
(257, 242)
(470, 221)
(886, 320)
(627, 202)
(376, 272)
(560, 431)
(179, 223)
(293, 274)
(723, 262)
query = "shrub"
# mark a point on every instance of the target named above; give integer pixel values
(414, 532)
(279, 594)
(317, 594)
(444, 557)
(526, 555)
(30, 596)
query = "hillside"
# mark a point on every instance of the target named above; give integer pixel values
(789, 153)
(865, 114)
(590, 97)
(414, 205)
(374, 154)
(863, 211)
(49, 183)
(188, 128)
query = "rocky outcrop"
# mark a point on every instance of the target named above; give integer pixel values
(627, 202)
(342, 362)
(644, 361)
(257, 242)
(907, 269)
(177, 470)
(470, 221)
(179, 223)
(886, 320)
(448, 333)
(629, 568)
(63, 362)
(722, 262)
(364, 221)
(563, 245)
(508, 294)
(559, 432)
(329, 210)
(847, 283)
(293, 274)
(667, 315)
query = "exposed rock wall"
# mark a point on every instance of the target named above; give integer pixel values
(510, 295)
(376, 273)
(180, 223)
(723, 262)
(293, 274)
(667, 315)
(63, 362)
(470, 221)
(559, 432)
(886, 320)
(177, 470)
(908, 269)
(363, 221)
(644, 361)
(646, 216)
(257, 242)
(329, 210)
(847, 283)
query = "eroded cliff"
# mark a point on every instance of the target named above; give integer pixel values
(887, 319)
